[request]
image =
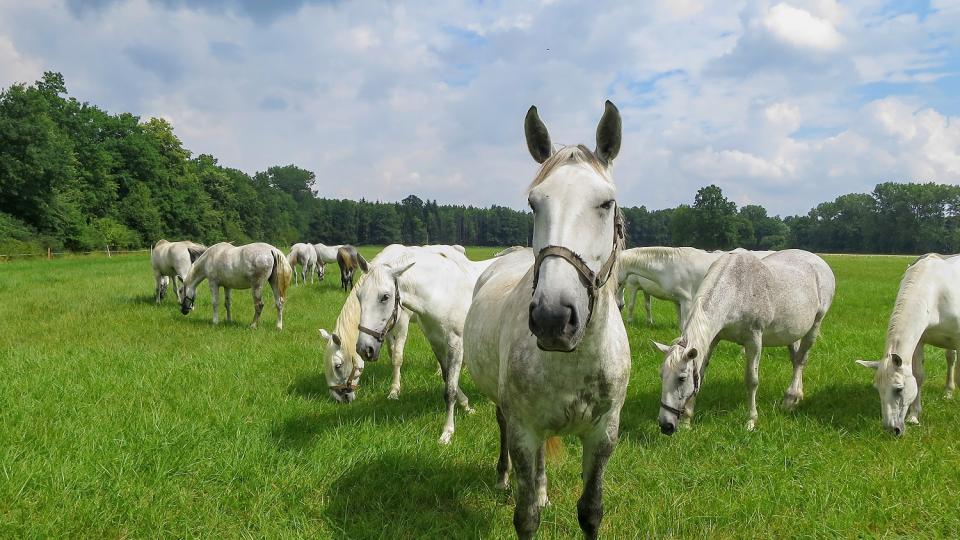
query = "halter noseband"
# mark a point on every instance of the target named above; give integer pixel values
(382, 334)
(696, 390)
(592, 281)
(347, 385)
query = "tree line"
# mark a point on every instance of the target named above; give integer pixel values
(75, 177)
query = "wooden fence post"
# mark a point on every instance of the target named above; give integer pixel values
(49, 254)
(108, 252)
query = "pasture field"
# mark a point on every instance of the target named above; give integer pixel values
(120, 418)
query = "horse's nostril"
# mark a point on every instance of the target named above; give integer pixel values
(897, 431)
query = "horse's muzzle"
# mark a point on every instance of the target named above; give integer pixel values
(556, 325)
(668, 428)
(368, 348)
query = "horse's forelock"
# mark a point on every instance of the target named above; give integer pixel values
(570, 154)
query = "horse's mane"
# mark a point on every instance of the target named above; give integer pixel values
(349, 319)
(570, 154)
(906, 305)
(508, 251)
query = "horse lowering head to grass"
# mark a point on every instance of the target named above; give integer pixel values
(170, 261)
(544, 338)
(349, 261)
(244, 267)
(927, 311)
(305, 256)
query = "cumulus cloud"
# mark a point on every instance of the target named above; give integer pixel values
(784, 104)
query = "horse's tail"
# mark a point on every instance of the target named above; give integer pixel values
(554, 447)
(281, 272)
(195, 250)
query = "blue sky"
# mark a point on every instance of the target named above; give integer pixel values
(785, 104)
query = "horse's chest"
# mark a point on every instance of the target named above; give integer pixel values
(564, 401)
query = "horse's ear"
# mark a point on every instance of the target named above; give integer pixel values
(872, 364)
(609, 134)
(397, 271)
(363, 263)
(660, 346)
(897, 361)
(324, 334)
(538, 139)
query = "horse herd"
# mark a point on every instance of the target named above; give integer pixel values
(540, 328)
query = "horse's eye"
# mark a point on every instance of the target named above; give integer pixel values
(385, 297)
(338, 365)
(898, 390)
(681, 378)
(608, 205)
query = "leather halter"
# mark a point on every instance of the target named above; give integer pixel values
(382, 334)
(347, 385)
(696, 390)
(592, 281)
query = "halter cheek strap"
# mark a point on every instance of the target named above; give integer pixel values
(593, 282)
(696, 390)
(382, 334)
(347, 386)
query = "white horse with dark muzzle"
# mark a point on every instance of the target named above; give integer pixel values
(172, 260)
(557, 361)
(777, 301)
(927, 311)
(306, 256)
(244, 267)
(436, 285)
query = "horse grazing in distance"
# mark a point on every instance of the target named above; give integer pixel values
(633, 284)
(927, 311)
(325, 254)
(435, 283)
(556, 361)
(239, 267)
(306, 257)
(777, 301)
(172, 260)
(349, 260)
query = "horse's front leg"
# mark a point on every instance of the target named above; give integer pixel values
(178, 289)
(597, 449)
(396, 341)
(752, 350)
(161, 287)
(913, 413)
(257, 303)
(450, 365)
(952, 370)
(227, 297)
(524, 450)
(215, 300)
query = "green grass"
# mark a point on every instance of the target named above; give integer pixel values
(119, 418)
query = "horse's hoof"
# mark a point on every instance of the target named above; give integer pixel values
(751, 425)
(948, 394)
(685, 423)
(394, 394)
(469, 410)
(445, 438)
(543, 501)
(503, 484)
(912, 419)
(253, 326)
(790, 402)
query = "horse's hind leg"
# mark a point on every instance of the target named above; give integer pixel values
(161, 287)
(952, 370)
(799, 352)
(503, 462)
(648, 305)
(396, 341)
(278, 301)
(257, 303)
(630, 301)
(597, 449)
(227, 297)
(752, 377)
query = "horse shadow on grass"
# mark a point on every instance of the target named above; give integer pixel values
(303, 429)
(395, 495)
(844, 406)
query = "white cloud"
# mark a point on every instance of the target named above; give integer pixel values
(798, 27)
(14, 67)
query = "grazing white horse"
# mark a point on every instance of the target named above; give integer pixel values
(631, 285)
(239, 267)
(671, 273)
(306, 256)
(325, 255)
(436, 285)
(556, 361)
(927, 311)
(778, 301)
(172, 260)
(342, 365)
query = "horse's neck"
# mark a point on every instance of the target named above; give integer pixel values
(908, 322)
(703, 324)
